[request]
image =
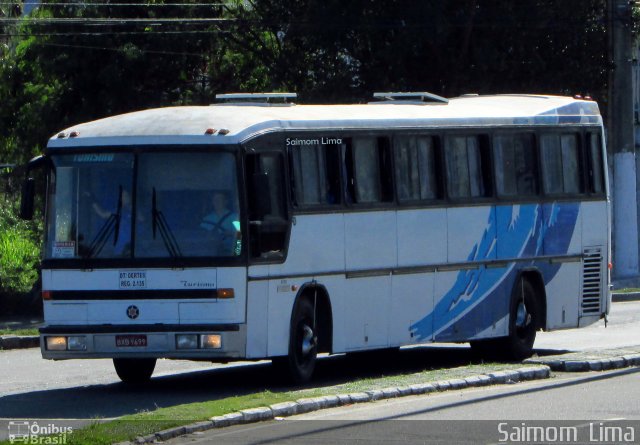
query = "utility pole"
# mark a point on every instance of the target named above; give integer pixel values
(622, 142)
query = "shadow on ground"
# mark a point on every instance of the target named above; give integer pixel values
(112, 400)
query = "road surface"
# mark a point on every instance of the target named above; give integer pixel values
(78, 391)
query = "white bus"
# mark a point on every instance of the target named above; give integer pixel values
(253, 230)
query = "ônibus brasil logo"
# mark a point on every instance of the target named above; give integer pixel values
(34, 433)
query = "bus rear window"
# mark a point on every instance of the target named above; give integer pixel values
(594, 156)
(515, 164)
(561, 166)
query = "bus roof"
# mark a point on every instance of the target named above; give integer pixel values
(233, 123)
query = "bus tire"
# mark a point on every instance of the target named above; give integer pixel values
(524, 321)
(134, 370)
(303, 343)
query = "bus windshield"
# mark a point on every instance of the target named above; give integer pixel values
(149, 205)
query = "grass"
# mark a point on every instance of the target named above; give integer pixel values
(26, 332)
(141, 424)
(628, 290)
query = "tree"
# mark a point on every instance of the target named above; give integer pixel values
(73, 62)
(77, 62)
(332, 50)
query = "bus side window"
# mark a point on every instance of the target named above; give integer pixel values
(515, 165)
(594, 158)
(415, 167)
(468, 168)
(368, 168)
(561, 163)
(316, 174)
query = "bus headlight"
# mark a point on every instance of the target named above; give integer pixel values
(186, 341)
(211, 341)
(56, 343)
(76, 343)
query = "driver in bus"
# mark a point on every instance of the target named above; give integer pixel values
(223, 223)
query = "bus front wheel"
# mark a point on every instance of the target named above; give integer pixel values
(303, 343)
(134, 370)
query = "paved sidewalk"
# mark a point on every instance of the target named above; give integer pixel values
(306, 405)
(8, 341)
(21, 322)
(627, 296)
(594, 360)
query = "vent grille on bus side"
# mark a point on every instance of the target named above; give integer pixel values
(591, 281)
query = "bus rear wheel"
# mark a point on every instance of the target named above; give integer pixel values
(524, 320)
(523, 323)
(134, 370)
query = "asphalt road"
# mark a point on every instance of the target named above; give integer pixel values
(79, 390)
(595, 406)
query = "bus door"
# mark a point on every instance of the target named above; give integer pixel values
(268, 213)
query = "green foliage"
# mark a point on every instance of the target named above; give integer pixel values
(19, 253)
(54, 74)
(67, 63)
(336, 51)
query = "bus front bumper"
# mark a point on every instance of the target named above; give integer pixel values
(190, 342)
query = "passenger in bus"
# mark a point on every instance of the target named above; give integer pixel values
(223, 223)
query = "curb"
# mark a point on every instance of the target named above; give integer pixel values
(19, 342)
(285, 409)
(622, 297)
(577, 365)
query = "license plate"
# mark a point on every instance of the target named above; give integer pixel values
(128, 341)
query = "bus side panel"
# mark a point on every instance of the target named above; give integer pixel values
(517, 229)
(335, 287)
(316, 245)
(371, 248)
(257, 318)
(563, 300)
(474, 303)
(280, 307)
(412, 300)
(594, 225)
(422, 237)
(471, 234)
(595, 240)
(370, 240)
(422, 241)
(367, 304)
(562, 231)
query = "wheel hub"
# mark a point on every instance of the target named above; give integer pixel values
(308, 340)
(523, 318)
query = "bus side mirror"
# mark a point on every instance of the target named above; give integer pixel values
(27, 199)
(262, 195)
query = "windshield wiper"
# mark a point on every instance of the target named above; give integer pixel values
(118, 216)
(110, 225)
(160, 223)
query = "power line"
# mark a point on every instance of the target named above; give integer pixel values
(113, 20)
(113, 33)
(102, 48)
(85, 4)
